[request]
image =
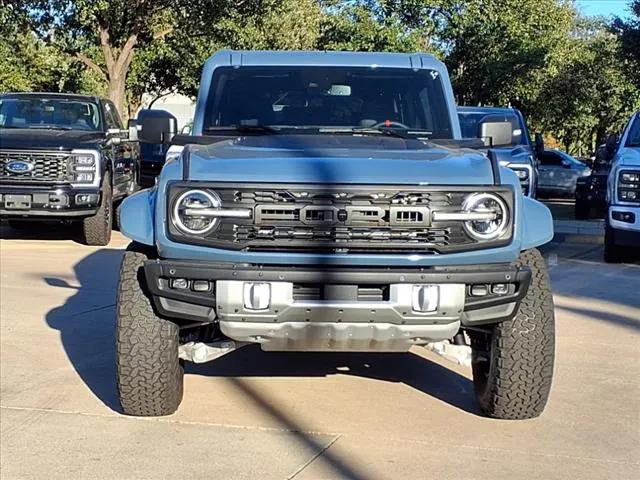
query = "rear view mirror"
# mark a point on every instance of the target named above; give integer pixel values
(496, 134)
(156, 126)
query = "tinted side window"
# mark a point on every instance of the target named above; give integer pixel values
(551, 159)
(111, 116)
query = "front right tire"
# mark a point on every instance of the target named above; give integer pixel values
(149, 372)
(513, 361)
(96, 229)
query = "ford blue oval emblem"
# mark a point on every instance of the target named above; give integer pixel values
(19, 166)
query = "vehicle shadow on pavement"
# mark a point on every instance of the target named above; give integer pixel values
(86, 322)
(43, 231)
(412, 370)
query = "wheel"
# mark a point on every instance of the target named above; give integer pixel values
(612, 253)
(582, 210)
(149, 372)
(513, 362)
(96, 229)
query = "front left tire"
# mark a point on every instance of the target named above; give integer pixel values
(513, 361)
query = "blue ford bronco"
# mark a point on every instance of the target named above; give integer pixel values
(327, 202)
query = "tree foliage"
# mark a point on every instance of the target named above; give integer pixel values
(574, 78)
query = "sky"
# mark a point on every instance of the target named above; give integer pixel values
(604, 7)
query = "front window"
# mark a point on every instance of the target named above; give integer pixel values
(470, 123)
(325, 99)
(634, 133)
(49, 113)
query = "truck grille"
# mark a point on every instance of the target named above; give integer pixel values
(46, 167)
(336, 219)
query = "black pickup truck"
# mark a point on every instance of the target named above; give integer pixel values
(64, 157)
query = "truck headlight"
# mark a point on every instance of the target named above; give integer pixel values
(496, 211)
(83, 166)
(185, 212)
(522, 174)
(629, 186)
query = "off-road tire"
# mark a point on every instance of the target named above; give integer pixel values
(148, 370)
(582, 211)
(513, 363)
(612, 253)
(96, 229)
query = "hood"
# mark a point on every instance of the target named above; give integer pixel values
(25, 138)
(336, 159)
(520, 154)
(629, 157)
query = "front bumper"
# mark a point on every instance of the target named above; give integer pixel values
(625, 222)
(344, 309)
(49, 201)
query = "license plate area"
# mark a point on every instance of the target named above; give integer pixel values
(17, 202)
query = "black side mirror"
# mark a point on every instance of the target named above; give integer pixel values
(156, 126)
(611, 145)
(539, 144)
(496, 134)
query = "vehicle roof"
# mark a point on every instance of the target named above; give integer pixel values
(323, 58)
(488, 110)
(74, 96)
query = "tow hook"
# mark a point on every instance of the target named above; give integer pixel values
(456, 350)
(198, 352)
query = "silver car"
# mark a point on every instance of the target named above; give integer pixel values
(558, 173)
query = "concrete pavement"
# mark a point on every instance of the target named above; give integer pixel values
(271, 415)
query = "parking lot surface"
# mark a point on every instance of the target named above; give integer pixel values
(304, 416)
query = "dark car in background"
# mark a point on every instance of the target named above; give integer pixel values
(64, 157)
(558, 173)
(517, 153)
(591, 191)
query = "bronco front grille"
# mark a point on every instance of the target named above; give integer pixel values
(337, 218)
(46, 167)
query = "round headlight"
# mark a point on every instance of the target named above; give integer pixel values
(486, 203)
(185, 211)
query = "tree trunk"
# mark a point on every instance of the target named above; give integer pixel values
(116, 92)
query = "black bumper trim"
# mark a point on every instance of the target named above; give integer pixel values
(159, 272)
(48, 210)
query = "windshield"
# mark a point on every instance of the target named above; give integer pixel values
(330, 98)
(470, 125)
(49, 113)
(634, 133)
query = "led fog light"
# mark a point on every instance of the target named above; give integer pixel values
(201, 286)
(257, 296)
(180, 283)
(425, 298)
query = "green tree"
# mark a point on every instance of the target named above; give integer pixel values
(629, 33)
(106, 36)
(26, 62)
(590, 95)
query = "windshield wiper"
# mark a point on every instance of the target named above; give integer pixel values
(266, 129)
(49, 127)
